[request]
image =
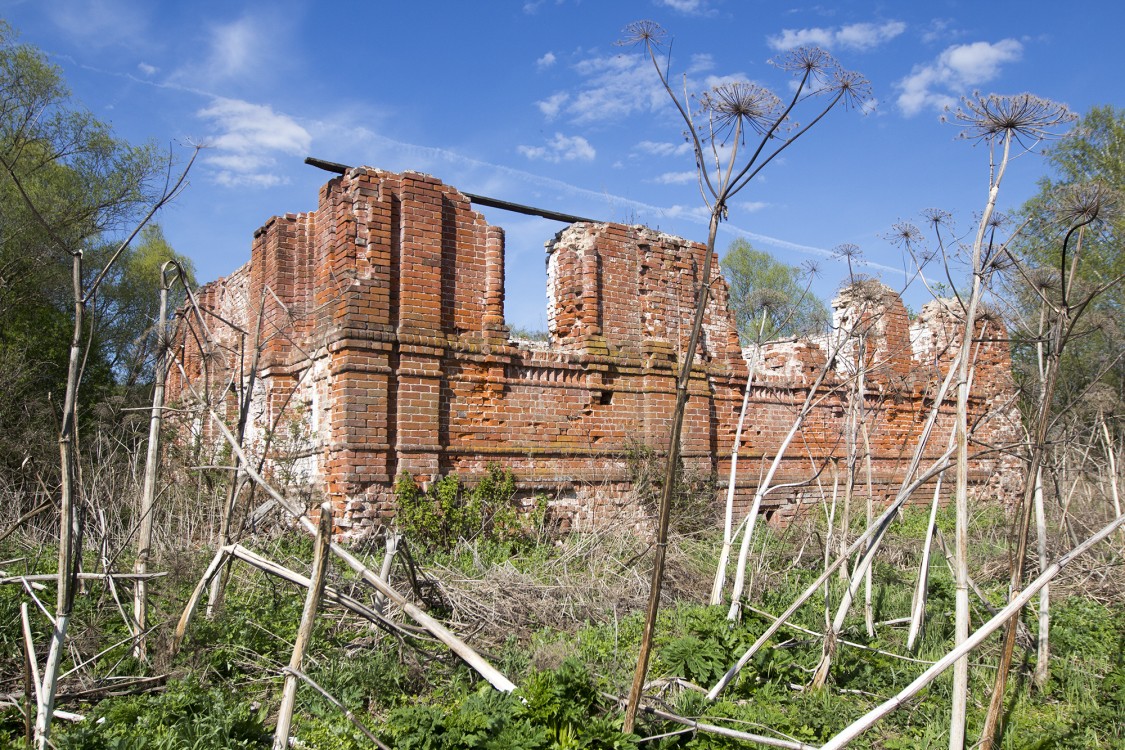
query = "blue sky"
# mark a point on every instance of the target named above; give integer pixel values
(530, 101)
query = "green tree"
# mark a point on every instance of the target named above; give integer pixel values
(128, 304)
(1092, 155)
(769, 299)
(67, 186)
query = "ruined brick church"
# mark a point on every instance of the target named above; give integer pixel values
(375, 325)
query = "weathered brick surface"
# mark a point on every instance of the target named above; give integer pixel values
(378, 322)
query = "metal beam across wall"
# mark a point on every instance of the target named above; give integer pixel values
(480, 200)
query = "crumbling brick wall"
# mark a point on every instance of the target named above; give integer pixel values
(374, 326)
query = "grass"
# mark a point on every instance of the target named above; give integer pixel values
(563, 621)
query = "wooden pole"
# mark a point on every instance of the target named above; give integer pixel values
(304, 632)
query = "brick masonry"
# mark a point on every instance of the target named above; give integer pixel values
(378, 328)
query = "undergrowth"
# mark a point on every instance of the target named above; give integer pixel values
(221, 690)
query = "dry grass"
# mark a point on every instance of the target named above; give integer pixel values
(589, 578)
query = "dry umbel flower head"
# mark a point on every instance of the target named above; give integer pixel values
(648, 33)
(742, 103)
(1024, 117)
(1085, 203)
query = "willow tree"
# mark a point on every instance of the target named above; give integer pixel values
(735, 129)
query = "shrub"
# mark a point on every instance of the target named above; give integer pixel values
(450, 512)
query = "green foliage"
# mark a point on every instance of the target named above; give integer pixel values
(187, 715)
(450, 512)
(1093, 153)
(68, 186)
(768, 297)
(554, 710)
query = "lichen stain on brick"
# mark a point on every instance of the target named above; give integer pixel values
(382, 348)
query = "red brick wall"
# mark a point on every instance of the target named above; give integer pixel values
(379, 322)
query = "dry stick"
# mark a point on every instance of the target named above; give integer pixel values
(331, 593)
(304, 632)
(196, 594)
(918, 605)
(29, 699)
(25, 517)
(81, 576)
(868, 720)
(343, 709)
(868, 610)
(439, 631)
(728, 520)
(764, 487)
(29, 648)
(1110, 452)
(246, 394)
(1043, 651)
(385, 571)
(152, 459)
(717, 730)
(903, 495)
(960, 698)
(683, 383)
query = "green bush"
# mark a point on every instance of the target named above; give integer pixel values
(450, 512)
(554, 710)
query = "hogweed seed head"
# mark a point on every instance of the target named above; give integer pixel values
(1022, 116)
(855, 88)
(938, 217)
(648, 33)
(811, 61)
(904, 234)
(1085, 203)
(728, 103)
(847, 251)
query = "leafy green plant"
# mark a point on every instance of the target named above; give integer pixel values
(450, 512)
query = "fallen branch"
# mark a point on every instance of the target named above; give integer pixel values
(346, 711)
(304, 632)
(715, 729)
(866, 721)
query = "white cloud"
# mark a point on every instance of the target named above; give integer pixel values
(546, 61)
(561, 148)
(684, 6)
(856, 36)
(939, 29)
(936, 84)
(676, 178)
(101, 23)
(752, 206)
(551, 106)
(148, 70)
(701, 62)
(246, 51)
(247, 137)
(664, 149)
(615, 87)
